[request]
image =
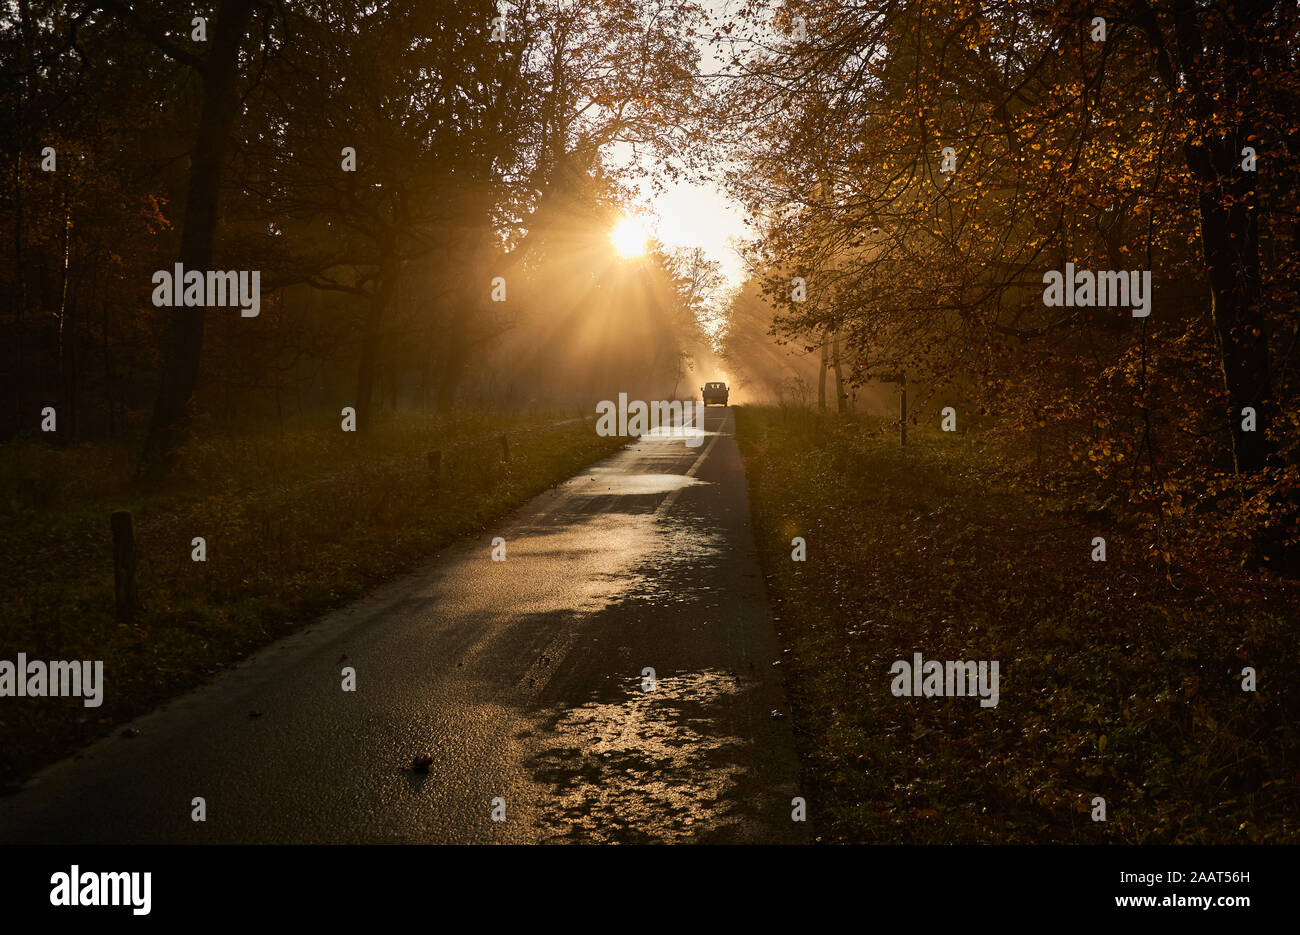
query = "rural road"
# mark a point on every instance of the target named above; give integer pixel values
(521, 679)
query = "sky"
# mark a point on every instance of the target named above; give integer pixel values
(700, 215)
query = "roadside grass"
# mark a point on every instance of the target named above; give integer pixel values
(295, 523)
(1119, 679)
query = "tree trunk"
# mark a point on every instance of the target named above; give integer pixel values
(840, 396)
(67, 339)
(821, 380)
(20, 269)
(110, 380)
(127, 600)
(1230, 69)
(183, 338)
(1230, 240)
(372, 331)
(457, 334)
(453, 369)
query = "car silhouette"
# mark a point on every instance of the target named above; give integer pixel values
(715, 393)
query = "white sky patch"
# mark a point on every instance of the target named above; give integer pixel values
(700, 215)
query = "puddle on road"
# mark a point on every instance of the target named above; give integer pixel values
(593, 561)
(607, 485)
(674, 434)
(651, 767)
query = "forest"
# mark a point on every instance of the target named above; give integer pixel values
(383, 167)
(927, 169)
(1008, 315)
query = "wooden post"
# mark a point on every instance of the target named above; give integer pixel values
(505, 448)
(124, 565)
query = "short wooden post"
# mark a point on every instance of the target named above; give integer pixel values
(505, 448)
(124, 565)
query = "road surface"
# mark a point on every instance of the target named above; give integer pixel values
(521, 679)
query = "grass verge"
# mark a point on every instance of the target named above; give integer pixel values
(295, 523)
(1119, 679)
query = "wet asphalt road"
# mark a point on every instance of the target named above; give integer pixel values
(521, 679)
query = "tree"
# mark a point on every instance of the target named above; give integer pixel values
(183, 342)
(421, 105)
(924, 165)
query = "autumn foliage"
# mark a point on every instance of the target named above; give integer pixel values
(1170, 146)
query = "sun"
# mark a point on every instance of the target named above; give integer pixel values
(629, 237)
